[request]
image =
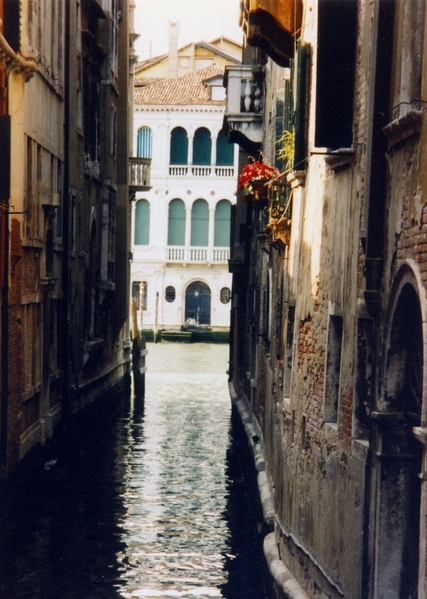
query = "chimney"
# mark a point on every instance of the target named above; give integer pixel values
(173, 48)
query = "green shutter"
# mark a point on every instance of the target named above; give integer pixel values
(202, 144)
(301, 107)
(224, 150)
(179, 146)
(144, 143)
(142, 223)
(222, 224)
(176, 223)
(200, 224)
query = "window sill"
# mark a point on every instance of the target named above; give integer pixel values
(340, 158)
(403, 127)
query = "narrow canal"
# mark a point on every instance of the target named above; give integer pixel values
(153, 501)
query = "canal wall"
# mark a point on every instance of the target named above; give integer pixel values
(285, 585)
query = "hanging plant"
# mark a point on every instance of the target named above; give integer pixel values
(254, 180)
(287, 150)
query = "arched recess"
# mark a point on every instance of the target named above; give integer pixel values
(222, 224)
(176, 222)
(198, 304)
(142, 222)
(144, 143)
(179, 146)
(224, 150)
(200, 224)
(399, 453)
(202, 146)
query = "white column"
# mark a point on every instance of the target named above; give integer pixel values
(187, 232)
(213, 152)
(190, 150)
(211, 233)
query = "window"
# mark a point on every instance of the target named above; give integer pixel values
(139, 294)
(336, 57)
(179, 146)
(217, 92)
(142, 223)
(224, 150)
(200, 224)
(333, 369)
(222, 224)
(225, 295)
(170, 294)
(202, 145)
(144, 143)
(176, 222)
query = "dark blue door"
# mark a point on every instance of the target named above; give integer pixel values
(198, 304)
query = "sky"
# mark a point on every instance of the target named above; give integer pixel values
(199, 20)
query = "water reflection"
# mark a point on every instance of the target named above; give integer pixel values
(148, 506)
(175, 532)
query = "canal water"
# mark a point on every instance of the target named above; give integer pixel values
(152, 500)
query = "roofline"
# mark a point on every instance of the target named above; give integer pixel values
(148, 62)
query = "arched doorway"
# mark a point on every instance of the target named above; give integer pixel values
(399, 453)
(198, 304)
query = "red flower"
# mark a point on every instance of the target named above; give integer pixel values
(255, 171)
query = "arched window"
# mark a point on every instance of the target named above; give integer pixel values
(176, 222)
(200, 224)
(179, 146)
(224, 150)
(144, 143)
(202, 145)
(222, 224)
(142, 223)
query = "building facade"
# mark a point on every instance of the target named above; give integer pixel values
(66, 79)
(181, 226)
(328, 343)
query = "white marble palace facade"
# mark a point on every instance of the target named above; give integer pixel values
(181, 226)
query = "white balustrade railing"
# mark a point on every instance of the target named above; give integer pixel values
(139, 172)
(175, 254)
(201, 171)
(197, 254)
(178, 171)
(221, 254)
(224, 171)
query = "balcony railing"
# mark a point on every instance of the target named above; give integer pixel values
(139, 174)
(244, 106)
(197, 254)
(201, 171)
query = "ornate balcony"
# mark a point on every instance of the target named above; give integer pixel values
(219, 255)
(244, 106)
(272, 26)
(201, 171)
(139, 174)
